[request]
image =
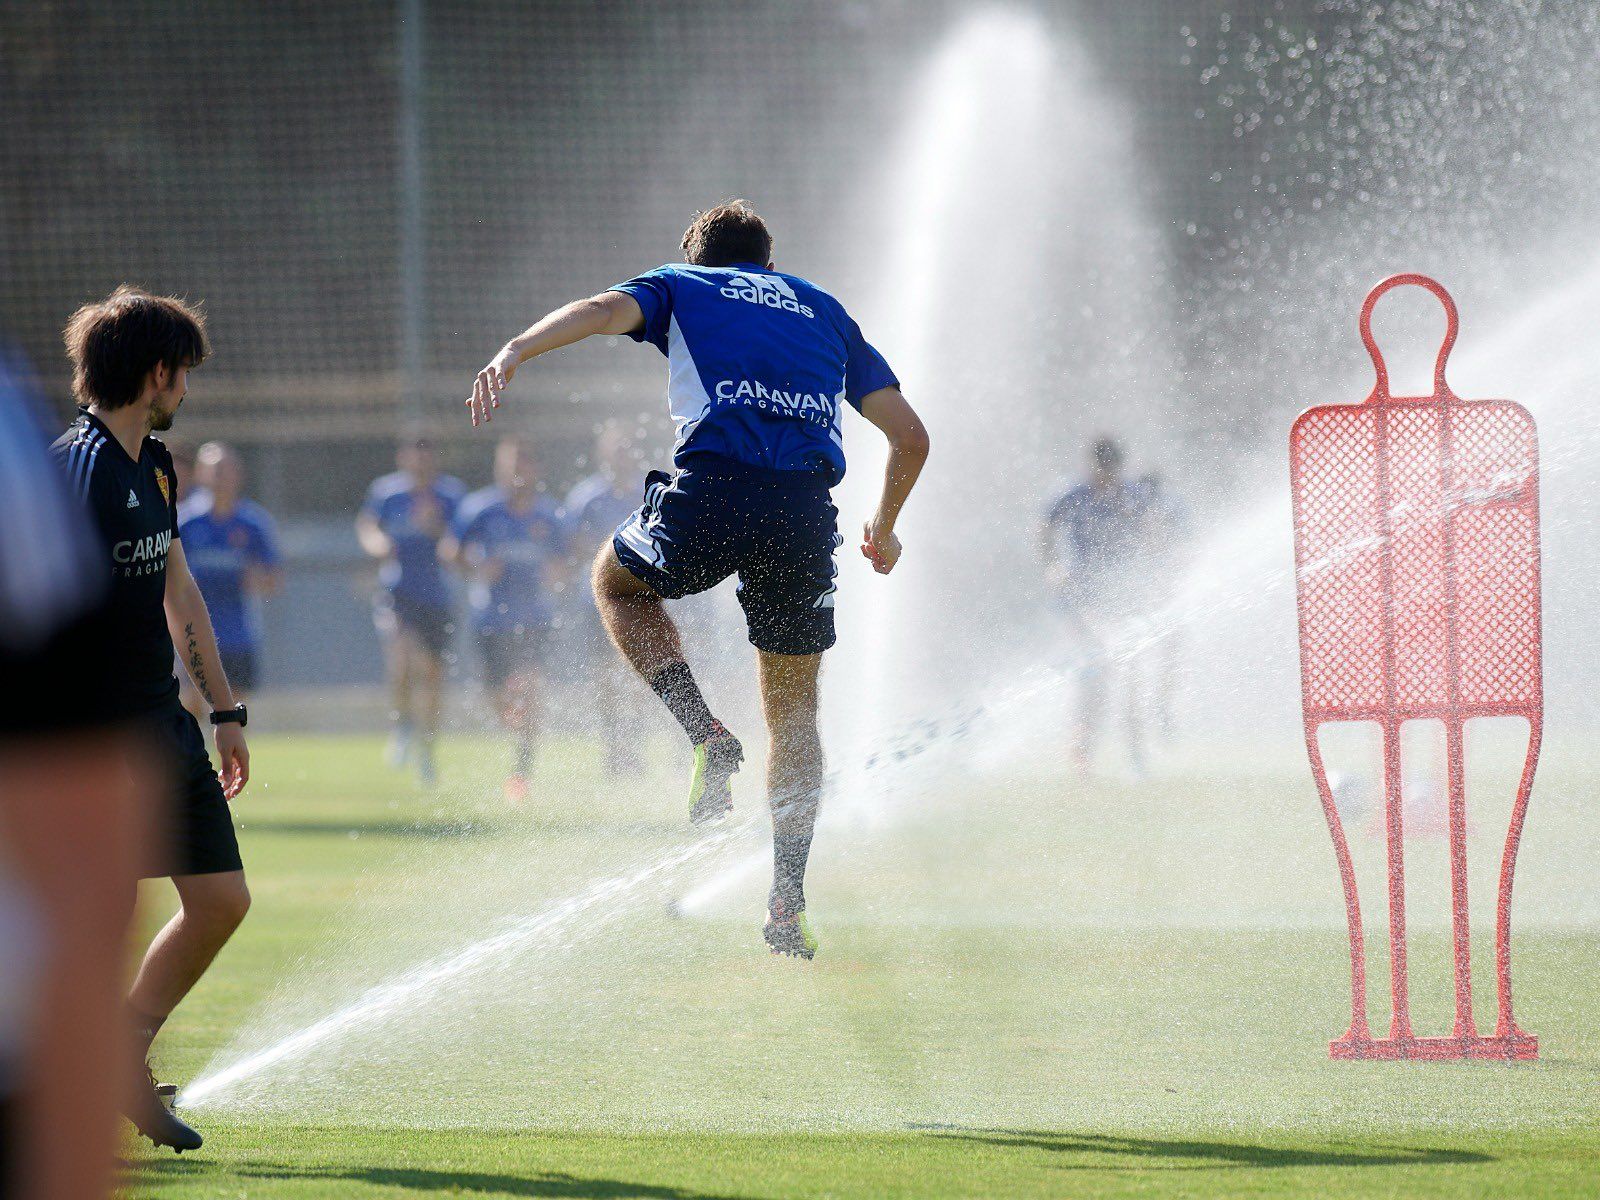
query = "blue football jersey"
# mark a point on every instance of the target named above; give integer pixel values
(415, 521)
(1098, 530)
(759, 364)
(526, 543)
(219, 551)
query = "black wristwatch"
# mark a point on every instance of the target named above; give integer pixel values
(237, 714)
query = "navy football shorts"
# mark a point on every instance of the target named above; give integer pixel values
(776, 529)
(430, 624)
(195, 833)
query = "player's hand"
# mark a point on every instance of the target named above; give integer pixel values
(235, 758)
(491, 381)
(881, 547)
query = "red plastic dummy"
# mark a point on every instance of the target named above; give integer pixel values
(1416, 524)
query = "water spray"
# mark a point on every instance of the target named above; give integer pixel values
(386, 999)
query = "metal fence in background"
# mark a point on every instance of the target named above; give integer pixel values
(370, 196)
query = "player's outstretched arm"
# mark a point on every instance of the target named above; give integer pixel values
(609, 313)
(908, 450)
(190, 625)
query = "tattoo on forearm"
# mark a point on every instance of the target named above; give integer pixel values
(197, 666)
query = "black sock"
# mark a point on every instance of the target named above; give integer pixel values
(679, 692)
(524, 755)
(790, 852)
(145, 1028)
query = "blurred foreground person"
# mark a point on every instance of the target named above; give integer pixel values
(761, 365)
(233, 553)
(405, 516)
(1091, 541)
(595, 506)
(508, 541)
(75, 795)
(131, 354)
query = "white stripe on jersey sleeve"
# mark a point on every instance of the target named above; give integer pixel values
(88, 470)
(686, 391)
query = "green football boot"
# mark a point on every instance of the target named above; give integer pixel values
(716, 761)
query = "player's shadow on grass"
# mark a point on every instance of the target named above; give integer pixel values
(556, 1185)
(1201, 1155)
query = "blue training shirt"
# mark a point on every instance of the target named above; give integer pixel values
(527, 542)
(760, 364)
(1098, 530)
(415, 522)
(220, 550)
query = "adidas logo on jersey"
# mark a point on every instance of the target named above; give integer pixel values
(133, 500)
(769, 291)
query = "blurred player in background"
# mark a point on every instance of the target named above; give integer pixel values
(405, 516)
(1092, 541)
(76, 793)
(233, 553)
(131, 355)
(761, 365)
(595, 506)
(1166, 532)
(509, 542)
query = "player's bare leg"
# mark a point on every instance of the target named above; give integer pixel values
(795, 766)
(397, 653)
(210, 908)
(636, 619)
(520, 712)
(427, 669)
(1092, 695)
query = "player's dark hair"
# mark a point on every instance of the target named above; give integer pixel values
(1107, 454)
(730, 233)
(114, 343)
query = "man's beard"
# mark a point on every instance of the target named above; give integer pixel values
(161, 420)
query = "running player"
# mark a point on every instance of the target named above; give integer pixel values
(508, 540)
(1090, 540)
(233, 552)
(131, 355)
(405, 516)
(595, 506)
(760, 366)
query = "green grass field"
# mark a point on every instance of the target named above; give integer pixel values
(1028, 986)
